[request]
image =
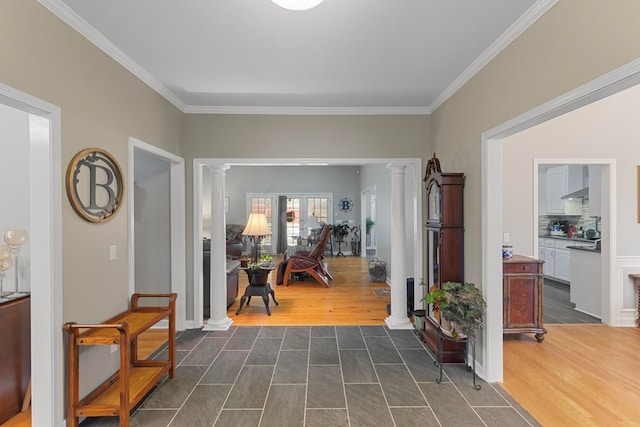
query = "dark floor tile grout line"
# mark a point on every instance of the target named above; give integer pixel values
(273, 373)
(413, 378)
(238, 375)
(376, 371)
(344, 384)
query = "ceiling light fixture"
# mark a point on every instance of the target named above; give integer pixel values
(297, 4)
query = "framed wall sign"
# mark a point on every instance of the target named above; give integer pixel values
(345, 204)
(95, 185)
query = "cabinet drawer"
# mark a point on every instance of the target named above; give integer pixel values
(520, 268)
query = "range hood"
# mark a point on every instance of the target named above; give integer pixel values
(583, 193)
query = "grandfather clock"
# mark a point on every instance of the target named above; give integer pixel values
(445, 246)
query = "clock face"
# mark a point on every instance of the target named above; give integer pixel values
(345, 205)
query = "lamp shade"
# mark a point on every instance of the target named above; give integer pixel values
(312, 222)
(297, 4)
(16, 237)
(5, 252)
(257, 225)
(5, 264)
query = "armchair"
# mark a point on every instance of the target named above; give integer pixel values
(307, 262)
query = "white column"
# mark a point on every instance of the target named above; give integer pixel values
(398, 318)
(218, 319)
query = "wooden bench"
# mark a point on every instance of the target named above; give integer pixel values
(135, 378)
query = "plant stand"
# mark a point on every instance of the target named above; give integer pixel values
(443, 335)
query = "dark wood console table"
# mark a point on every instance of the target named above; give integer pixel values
(523, 288)
(15, 355)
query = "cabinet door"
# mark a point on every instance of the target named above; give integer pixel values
(521, 301)
(562, 268)
(549, 261)
(557, 186)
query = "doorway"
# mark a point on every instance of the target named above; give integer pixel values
(368, 198)
(493, 201)
(45, 236)
(157, 224)
(413, 200)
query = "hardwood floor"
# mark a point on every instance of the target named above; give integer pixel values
(349, 301)
(581, 375)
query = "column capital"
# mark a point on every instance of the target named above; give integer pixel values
(398, 167)
(218, 168)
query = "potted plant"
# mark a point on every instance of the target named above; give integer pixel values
(368, 224)
(257, 276)
(265, 260)
(340, 231)
(460, 307)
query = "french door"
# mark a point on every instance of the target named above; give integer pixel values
(288, 215)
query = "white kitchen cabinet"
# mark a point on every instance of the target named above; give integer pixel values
(562, 268)
(556, 257)
(560, 181)
(549, 258)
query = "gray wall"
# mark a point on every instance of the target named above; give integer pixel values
(102, 104)
(152, 224)
(572, 44)
(309, 137)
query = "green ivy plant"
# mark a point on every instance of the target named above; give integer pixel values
(462, 304)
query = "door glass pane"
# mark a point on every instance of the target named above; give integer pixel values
(264, 205)
(433, 257)
(293, 221)
(433, 202)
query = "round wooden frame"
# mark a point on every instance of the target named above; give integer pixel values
(83, 158)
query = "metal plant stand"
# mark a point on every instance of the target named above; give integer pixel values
(442, 335)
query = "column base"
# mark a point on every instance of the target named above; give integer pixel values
(394, 323)
(219, 325)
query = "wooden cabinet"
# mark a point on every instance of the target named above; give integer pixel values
(135, 378)
(522, 293)
(445, 246)
(15, 355)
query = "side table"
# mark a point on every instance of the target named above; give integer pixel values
(258, 289)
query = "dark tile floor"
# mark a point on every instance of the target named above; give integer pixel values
(317, 376)
(558, 308)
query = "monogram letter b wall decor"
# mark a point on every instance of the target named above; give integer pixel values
(95, 185)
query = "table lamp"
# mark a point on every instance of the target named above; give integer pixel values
(256, 228)
(15, 239)
(5, 263)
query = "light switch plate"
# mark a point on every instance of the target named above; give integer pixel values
(506, 237)
(113, 252)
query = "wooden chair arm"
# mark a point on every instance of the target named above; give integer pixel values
(137, 296)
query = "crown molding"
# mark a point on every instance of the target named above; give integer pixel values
(512, 33)
(309, 111)
(68, 16)
(72, 19)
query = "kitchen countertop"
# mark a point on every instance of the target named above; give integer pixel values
(575, 239)
(584, 248)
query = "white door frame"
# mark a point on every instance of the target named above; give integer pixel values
(178, 245)
(200, 163)
(45, 201)
(492, 200)
(364, 209)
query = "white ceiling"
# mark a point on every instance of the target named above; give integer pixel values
(345, 56)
